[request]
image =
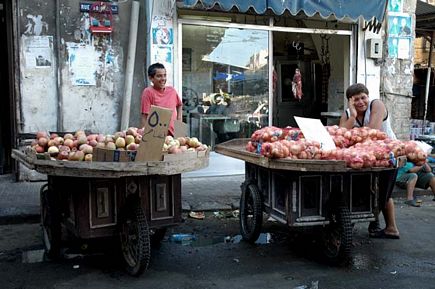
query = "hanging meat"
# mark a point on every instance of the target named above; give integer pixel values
(297, 84)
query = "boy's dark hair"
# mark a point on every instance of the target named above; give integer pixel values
(153, 67)
(355, 89)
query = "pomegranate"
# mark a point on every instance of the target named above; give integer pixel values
(68, 136)
(40, 134)
(42, 141)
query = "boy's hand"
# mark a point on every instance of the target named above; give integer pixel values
(352, 109)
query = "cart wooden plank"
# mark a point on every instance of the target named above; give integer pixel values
(110, 169)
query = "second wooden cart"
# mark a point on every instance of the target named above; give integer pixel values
(306, 193)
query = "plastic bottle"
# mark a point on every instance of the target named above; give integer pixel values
(182, 238)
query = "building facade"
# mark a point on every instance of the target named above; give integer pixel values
(70, 64)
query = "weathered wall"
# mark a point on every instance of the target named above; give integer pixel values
(77, 102)
(38, 97)
(396, 81)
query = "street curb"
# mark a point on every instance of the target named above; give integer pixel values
(20, 219)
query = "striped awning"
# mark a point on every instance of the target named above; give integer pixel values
(340, 9)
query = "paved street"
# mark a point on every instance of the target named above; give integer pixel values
(290, 260)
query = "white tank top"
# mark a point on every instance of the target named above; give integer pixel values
(386, 125)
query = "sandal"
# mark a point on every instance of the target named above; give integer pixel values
(412, 203)
(382, 235)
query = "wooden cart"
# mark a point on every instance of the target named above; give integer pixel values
(302, 193)
(133, 200)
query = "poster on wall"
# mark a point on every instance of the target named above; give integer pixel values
(399, 35)
(38, 51)
(82, 61)
(395, 6)
(403, 48)
(399, 25)
(162, 44)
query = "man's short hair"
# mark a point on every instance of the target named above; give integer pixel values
(355, 89)
(152, 69)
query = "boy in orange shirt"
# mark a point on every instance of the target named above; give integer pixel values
(160, 95)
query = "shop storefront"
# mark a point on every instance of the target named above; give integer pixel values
(242, 65)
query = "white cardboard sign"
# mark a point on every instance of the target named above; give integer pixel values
(314, 130)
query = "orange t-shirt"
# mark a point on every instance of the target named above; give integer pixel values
(168, 98)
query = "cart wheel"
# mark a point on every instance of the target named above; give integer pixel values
(251, 213)
(157, 237)
(135, 241)
(50, 223)
(337, 237)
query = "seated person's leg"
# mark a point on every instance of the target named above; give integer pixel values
(408, 181)
(426, 180)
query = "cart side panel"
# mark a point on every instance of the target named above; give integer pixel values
(164, 200)
(360, 194)
(284, 199)
(102, 205)
(261, 178)
(310, 195)
(88, 206)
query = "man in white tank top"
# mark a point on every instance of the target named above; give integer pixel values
(362, 112)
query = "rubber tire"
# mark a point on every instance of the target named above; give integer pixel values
(251, 213)
(135, 241)
(50, 223)
(157, 237)
(337, 237)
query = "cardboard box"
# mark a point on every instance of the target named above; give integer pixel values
(105, 155)
(180, 129)
(155, 131)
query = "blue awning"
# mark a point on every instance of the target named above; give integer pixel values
(353, 9)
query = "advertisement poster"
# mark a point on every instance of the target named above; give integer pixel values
(399, 35)
(162, 44)
(38, 51)
(399, 25)
(395, 6)
(82, 60)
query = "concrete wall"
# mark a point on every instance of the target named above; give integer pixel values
(50, 97)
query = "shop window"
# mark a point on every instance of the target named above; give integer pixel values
(225, 82)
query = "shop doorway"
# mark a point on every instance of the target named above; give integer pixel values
(323, 61)
(5, 83)
(298, 73)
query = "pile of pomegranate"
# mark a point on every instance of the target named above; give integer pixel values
(359, 147)
(79, 146)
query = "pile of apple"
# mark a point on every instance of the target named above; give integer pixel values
(79, 146)
(182, 144)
